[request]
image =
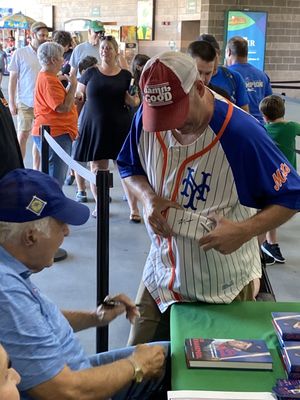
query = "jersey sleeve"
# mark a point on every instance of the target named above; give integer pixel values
(262, 174)
(128, 161)
(241, 94)
(30, 342)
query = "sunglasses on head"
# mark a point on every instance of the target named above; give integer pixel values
(109, 37)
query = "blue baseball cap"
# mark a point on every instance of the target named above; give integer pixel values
(27, 195)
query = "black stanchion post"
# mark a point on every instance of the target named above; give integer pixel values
(61, 254)
(44, 149)
(103, 183)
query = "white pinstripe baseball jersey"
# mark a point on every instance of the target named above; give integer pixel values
(201, 177)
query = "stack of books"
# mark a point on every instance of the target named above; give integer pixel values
(227, 353)
(287, 389)
(287, 328)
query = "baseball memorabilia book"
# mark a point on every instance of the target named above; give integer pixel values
(227, 353)
(287, 324)
(291, 357)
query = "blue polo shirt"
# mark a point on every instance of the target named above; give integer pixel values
(233, 83)
(258, 86)
(33, 331)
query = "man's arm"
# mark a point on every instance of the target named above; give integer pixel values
(154, 205)
(80, 320)
(100, 382)
(228, 236)
(12, 88)
(73, 71)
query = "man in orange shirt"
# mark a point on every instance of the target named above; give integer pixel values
(54, 106)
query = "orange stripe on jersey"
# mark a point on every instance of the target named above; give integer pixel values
(165, 153)
(200, 153)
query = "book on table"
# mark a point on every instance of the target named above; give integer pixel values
(218, 395)
(227, 353)
(291, 358)
(287, 324)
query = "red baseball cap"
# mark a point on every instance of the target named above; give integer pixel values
(165, 83)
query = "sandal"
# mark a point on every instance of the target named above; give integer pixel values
(136, 218)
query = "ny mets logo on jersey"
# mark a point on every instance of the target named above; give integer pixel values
(280, 176)
(192, 190)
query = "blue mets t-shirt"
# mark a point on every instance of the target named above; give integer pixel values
(257, 84)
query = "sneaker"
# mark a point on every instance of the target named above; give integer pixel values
(273, 250)
(69, 180)
(267, 260)
(94, 213)
(81, 196)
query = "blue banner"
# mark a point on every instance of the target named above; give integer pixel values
(251, 25)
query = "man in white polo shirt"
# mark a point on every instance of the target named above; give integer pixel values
(23, 71)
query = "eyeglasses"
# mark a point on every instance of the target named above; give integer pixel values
(109, 37)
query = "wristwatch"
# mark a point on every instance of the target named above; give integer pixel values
(138, 375)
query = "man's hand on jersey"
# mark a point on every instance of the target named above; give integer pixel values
(154, 208)
(226, 237)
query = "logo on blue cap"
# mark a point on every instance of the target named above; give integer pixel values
(36, 205)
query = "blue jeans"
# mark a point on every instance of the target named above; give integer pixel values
(135, 391)
(57, 168)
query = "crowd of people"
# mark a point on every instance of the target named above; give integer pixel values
(183, 131)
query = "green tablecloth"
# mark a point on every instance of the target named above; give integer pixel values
(239, 320)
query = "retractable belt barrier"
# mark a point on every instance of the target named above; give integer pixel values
(103, 181)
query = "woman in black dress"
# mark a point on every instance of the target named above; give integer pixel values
(106, 117)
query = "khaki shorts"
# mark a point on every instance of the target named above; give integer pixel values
(25, 117)
(153, 326)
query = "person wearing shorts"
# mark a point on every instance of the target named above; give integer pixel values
(23, 69)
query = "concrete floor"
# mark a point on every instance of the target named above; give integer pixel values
(72, 283)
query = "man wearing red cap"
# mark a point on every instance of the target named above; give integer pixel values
(191, 149)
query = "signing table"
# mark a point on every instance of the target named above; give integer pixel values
(238, 320)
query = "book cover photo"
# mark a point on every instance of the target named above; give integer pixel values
(227, 353)
(287, 324)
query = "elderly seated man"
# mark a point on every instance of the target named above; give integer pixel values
(40, 339)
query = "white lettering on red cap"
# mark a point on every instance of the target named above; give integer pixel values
(158, 95)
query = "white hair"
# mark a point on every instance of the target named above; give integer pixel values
(49, 50)
(11, 231)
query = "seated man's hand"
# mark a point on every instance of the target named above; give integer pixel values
(116, 306)
(151, 359)
(154, 209)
